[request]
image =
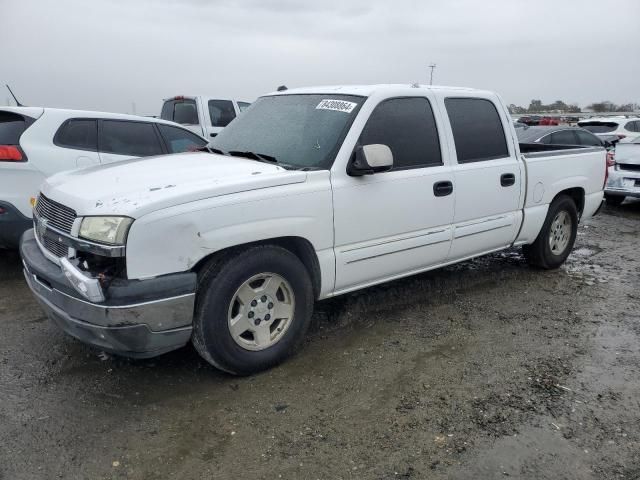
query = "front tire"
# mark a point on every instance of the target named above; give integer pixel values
(253, 309)
(557, 236)
(614, 200)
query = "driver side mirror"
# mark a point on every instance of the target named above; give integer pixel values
(370, 159)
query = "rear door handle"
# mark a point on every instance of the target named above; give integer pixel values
(442, 189)
(507, 179)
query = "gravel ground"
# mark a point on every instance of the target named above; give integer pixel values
(482, 370)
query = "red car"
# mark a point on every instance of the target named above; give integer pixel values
(546, 121)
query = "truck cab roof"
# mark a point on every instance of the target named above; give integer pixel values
(369, 90)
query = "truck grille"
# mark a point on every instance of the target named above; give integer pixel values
(57, 216)
(629, 166)
(56, 248)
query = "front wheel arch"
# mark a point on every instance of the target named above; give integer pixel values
(299, 246)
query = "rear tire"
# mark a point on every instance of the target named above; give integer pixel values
(253, 309)
(557, 236)
(614, 200)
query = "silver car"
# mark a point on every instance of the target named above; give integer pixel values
(624, 176)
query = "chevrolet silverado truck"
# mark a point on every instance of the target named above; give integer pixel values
(310, 194)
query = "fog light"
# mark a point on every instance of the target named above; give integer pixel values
(88, 287)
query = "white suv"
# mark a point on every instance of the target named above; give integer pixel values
(37, 142)
(625, 128)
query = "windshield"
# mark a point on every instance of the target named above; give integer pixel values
(599, 127)
(299, 131)
(531, 134)
(11, 127)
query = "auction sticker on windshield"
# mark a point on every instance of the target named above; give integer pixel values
(337, 105)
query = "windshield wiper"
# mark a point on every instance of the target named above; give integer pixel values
(209, 149)
(261, 157)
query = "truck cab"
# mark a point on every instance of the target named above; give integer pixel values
(204, 115)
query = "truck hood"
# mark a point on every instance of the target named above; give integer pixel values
(136, 187)
(628, 153)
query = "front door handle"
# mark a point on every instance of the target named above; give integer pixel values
(442, 189)
(507, 179)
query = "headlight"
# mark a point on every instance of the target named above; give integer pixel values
(111, 230)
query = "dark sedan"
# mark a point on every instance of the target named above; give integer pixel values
(559, 136)
(564, 136)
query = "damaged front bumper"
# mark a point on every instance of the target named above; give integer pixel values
(623, 183)
(133, 318)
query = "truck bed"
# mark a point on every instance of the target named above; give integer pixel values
(555, 168)
(542, 149)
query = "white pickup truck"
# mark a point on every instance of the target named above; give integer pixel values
(310, 194)
(206, 116)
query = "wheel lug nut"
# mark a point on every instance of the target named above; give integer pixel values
(270, 305)
(257, 321)
(267, 317)
(254, 303)
(264, 298)
(250, 314)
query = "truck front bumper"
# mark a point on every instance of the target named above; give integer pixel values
(623, 183)
(138, 318)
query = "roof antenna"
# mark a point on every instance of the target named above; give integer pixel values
(282, 88)
(14, 97)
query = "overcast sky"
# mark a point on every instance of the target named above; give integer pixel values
(106, 54)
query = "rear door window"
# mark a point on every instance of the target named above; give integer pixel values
(563, 137)
(407, 126)
(78, 133)
(12, 125)
(179, 140)
(221, 112)
(477, 129)
(588, 139)
(242, 106)
(633, 126)
(183, 111)
(124, 137)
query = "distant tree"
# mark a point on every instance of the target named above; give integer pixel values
(627, 107)
(516, 109)
(602, 107)
(535, 106)
(558, 105)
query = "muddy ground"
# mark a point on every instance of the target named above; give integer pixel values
(484, 370)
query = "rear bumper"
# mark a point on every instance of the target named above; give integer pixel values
(12, 225)
(138, 319)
